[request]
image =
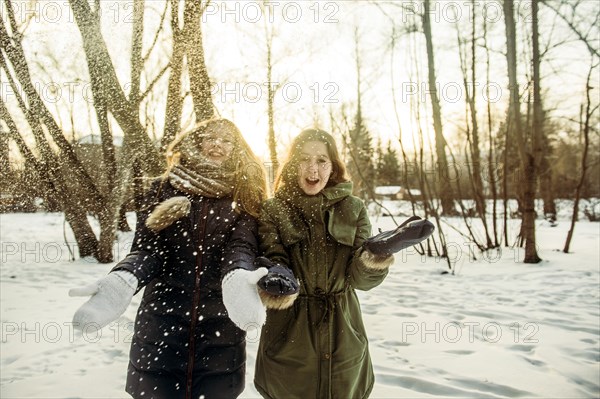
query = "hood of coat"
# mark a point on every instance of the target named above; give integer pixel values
(302, 209)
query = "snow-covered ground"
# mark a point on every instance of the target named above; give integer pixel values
(495, 328)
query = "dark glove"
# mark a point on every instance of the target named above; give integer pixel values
(280, 280)
(411, 232)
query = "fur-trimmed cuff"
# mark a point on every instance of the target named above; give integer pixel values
(168, 212)
(376, 262)
(277, 302)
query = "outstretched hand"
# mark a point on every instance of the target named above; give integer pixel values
(411, 232)
(109, 298)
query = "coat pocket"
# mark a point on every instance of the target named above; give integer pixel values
(278, 331)
(351, 341)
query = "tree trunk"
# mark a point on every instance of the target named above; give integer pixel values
(586, 144)
(491, 158)
(108, 232)
(107, 92)
(87, 244)
(4, 163)
(546, 180)
(526, 152)
(505, 187)
(475, 152)
(531, 255)
(271, 111)
(542, 149)
(444, 186)
(474, 168)
(137, 62)
(123, 224)
(199, 79)
(105, 85)
(174, 99)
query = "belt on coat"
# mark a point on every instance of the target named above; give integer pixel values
(326, 301)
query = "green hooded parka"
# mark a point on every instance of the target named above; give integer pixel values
(318, 347)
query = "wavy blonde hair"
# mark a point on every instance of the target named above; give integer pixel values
(250, 185)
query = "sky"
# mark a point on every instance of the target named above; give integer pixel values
(314, 53)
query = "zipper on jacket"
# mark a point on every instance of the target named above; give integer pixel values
(196, 301)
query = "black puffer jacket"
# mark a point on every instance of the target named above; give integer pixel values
(181, 317)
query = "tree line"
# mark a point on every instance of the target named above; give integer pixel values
(522, 152)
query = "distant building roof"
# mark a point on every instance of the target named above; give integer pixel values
(91, 139)
(387, 190)
(394, 190)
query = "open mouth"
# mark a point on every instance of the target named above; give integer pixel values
(216, 154)
(312, 181)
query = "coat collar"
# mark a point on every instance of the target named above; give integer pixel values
(337, 193)
(341, 223)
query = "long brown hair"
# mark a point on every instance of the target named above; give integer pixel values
(288, 173)
(250, 188)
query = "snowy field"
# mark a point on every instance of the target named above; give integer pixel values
(496, 328)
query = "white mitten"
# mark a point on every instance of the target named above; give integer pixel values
(110, 297)
(240, 296)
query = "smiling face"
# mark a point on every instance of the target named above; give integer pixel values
(217, 146)
(314, 167)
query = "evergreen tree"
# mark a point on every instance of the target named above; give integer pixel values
(361, 165)
(388, 167)
(360, 160)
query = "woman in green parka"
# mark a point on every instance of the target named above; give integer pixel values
(315, 345)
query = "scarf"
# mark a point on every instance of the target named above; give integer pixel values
(197, 176)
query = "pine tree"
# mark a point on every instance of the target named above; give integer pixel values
(388, 167)
(391, 166)
(361, 165)
(361, 152)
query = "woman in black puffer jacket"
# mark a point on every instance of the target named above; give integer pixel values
(196, 226)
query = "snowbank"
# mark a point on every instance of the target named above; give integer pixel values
(496, 328)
